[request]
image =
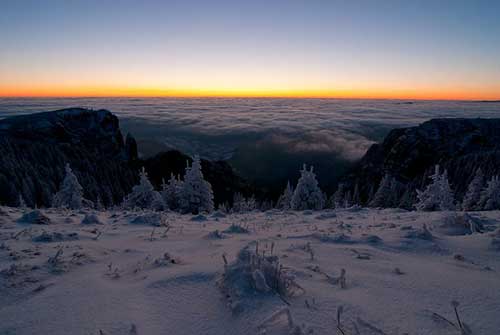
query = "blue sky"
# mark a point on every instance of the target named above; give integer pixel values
(330, 46)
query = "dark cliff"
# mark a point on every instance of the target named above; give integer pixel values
(410, 154)
(35, 148)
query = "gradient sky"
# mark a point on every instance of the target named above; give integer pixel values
(405, 49)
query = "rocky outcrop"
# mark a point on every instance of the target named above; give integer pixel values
(410, 154)
(35, 148)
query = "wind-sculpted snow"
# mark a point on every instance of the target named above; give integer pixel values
(361, 271)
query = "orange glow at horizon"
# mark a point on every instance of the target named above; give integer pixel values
(386, 93)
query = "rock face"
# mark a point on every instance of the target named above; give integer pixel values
(409, 155)
(35, 148)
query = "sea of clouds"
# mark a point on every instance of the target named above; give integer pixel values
(243, 129)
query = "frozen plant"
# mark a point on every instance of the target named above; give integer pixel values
(307, 194)
(253, 272)
(143, 195)
(285, 200)
(437, 195)
(70, 194)
(473, 195)
(490, 196)
(171, 192)
(385, 193)
(196, 194)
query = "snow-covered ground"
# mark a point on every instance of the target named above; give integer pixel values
(119, 274)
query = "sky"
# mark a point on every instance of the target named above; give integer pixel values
(310, 48)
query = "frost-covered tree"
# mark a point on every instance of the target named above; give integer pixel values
(337, 200)
(437, 195)
(196, 193)
(144, 195)
(285, 200)
(307, 194)
(243, 205)
(239, 203)
(385, 193)
(70, 194)
(98, 205)
(490, 195)
(407, 199)
(447, 199)
(355, 195)
(171, 192)
(251, 204)
(473, 195)
(21, 202)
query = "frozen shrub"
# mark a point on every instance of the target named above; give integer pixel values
(420, 234)
(218, 215)
(216, 235)
(91, 219)
(55, 237)
(455, 225)
(254, 273)
(35, 217)
(149, 219)
(199, 218)
(236, 229)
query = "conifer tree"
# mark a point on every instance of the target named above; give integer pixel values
(143, 195)
(171, 192)
(21, 202)
(239, 203)
(437, 195)
(307, 194)
(337, 199)
(196, 192)
(490, 195)
(383, 196)
(473, 195)
(70, 194)
(285, 200)
(446, 203)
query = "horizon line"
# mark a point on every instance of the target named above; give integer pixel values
(243, 97)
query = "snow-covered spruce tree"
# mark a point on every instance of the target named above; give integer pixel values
(144, 195)
(355, 195)
(337, 199)
(490, 195)
(171, 192)
(384, 195)
(307, 194)
(196, 193)
(447, 197)
(21, 203)
(70, 194)
(473, 195)
(251, 204)
(437, 195)
(98, 205)
(239, 203)
(284, 201)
